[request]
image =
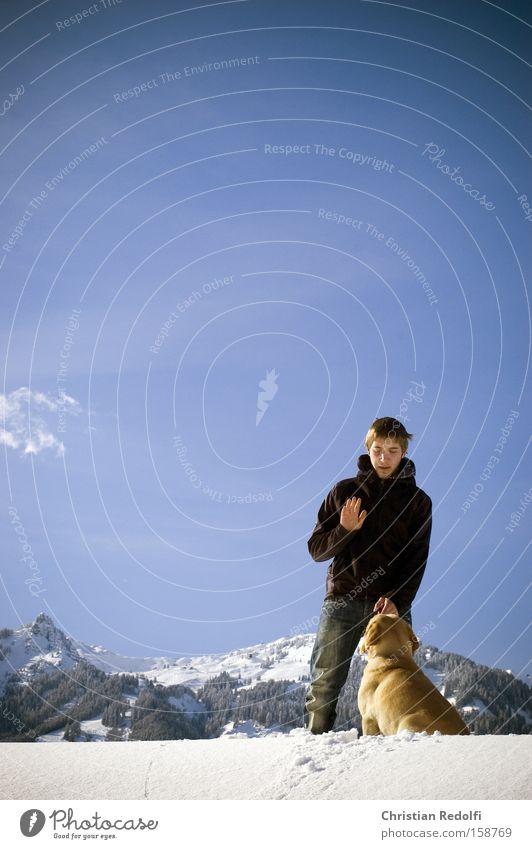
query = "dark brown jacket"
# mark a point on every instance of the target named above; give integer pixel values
(388, 555)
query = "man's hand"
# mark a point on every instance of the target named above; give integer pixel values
(350, 517)
(385, 605)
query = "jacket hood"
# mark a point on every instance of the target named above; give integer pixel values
(405, 471)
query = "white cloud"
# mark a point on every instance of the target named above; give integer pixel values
(22, 424)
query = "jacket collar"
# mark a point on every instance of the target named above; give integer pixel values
(405, 471)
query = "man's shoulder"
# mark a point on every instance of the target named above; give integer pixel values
(345, 483)
(343, 489)
(423, 499)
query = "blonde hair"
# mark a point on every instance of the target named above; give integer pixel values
(388, 427)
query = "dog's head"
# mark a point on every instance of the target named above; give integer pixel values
(387, 636)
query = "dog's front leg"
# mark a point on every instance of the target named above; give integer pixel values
(370, 727)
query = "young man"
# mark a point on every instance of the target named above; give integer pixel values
(376, 527)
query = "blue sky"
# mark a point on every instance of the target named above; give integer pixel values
(330, 199)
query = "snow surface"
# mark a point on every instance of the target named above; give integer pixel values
(338, 765)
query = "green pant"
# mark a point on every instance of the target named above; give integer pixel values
(342, 622)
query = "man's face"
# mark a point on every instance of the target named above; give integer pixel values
(385, 456)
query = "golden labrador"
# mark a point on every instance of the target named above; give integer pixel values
(394, 693)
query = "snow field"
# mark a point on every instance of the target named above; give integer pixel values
(338, 765)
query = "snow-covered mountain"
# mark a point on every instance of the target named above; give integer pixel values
(41, 645)
(285, 659)
(256, 690)
(34, 649)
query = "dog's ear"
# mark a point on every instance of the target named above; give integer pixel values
(368, 638)
(365, 642)
(413, 639)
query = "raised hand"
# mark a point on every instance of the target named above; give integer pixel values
(351, 518)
